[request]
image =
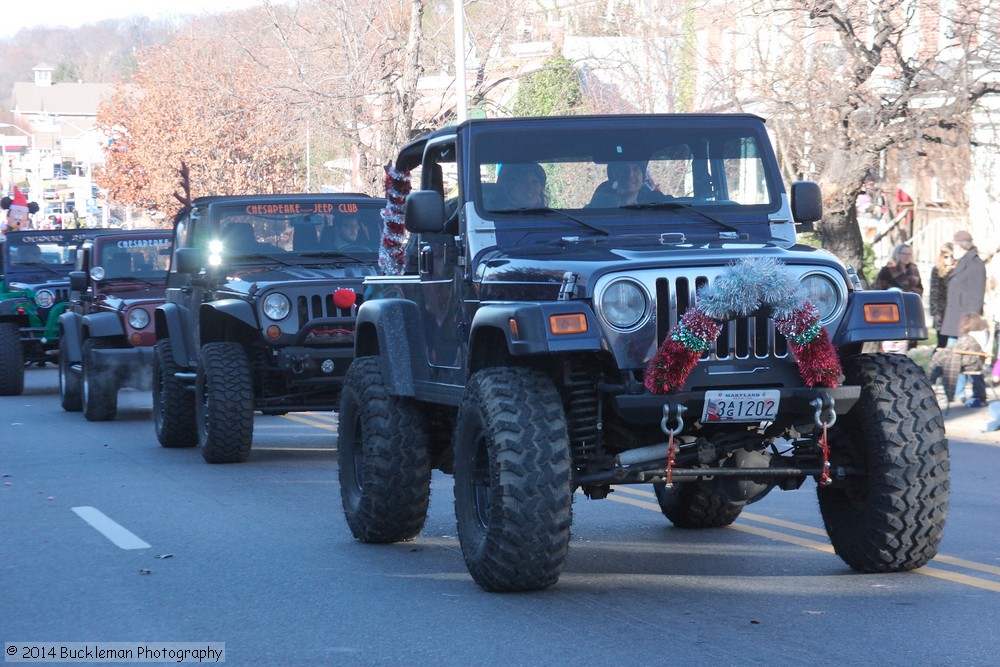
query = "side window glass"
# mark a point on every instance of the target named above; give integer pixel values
(440, 171)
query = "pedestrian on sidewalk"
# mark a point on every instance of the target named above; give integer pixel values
(966, 285)
(938, 296)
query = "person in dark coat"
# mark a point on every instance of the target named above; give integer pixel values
(940, 273)
(966, 286)
(902, 274)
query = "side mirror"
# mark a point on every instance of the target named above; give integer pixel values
(188, 260)
(807, 204)
(423, 212)
(78, 281)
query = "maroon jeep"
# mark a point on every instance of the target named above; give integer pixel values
(105, 336)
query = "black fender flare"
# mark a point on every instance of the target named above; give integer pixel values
(100, 325)
(213, 313)
(71, 335)
(854, 328)
(8, 307)
(394, 325)
(173, 322)
(533, 334)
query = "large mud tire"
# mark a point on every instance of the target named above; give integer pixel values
(11, 360)
(382, 458)
(173, 405)
(99, 389)
(513, 486)
(70, 397)
(224, 399)
(890, 518)
(696, 505)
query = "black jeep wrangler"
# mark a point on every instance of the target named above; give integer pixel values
(35, 293)
(106, 336)
(643, 315)
(261, 298)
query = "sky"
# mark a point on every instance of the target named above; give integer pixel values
(19, 14)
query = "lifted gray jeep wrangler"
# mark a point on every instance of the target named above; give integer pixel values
(650, 319)
(261, 297)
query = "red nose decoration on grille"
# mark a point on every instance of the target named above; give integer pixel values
(344, 298)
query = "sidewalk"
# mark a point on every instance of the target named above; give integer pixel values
(962, 423)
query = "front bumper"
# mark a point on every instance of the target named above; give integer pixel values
(796, 404)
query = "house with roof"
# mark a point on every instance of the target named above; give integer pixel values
(54, 143)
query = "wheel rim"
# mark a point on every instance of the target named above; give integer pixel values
(482, 493)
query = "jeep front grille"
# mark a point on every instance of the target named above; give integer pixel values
(320, 306)
(741, 338)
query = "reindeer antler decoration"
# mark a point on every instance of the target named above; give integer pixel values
(185, 175)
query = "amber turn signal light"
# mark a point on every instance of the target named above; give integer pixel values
(573, 323)
(881, 313)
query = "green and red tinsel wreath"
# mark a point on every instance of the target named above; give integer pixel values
(744, 288)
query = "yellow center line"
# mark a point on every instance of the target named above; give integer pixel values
(927, 570)
(310, 422)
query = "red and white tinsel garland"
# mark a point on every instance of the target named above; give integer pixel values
(392, 250)
(746, 287)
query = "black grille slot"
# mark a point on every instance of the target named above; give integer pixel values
(740, 338)
(301, 308)
(318, 306)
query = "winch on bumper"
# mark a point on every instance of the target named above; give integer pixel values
(314, 364)
(333, 338)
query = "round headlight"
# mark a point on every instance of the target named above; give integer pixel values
(97, 272)
(624, 304)
(277, 306)
(138, 318)
(822, 293)
(45, 298)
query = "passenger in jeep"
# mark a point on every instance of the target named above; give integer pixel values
(626, 185)
(521, 186)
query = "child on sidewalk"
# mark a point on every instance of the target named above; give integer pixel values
(966, 357)
(969, 348)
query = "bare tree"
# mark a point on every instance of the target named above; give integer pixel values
(859, 79)
(354, 69)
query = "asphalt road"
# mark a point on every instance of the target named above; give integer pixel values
(258, 556)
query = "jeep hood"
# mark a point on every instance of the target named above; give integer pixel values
(249, 280)
(537, 273)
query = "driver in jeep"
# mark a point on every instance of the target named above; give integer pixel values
(344, 235)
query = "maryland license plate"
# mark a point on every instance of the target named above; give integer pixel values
(741, 405)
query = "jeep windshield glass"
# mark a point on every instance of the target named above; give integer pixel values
(282, 230)
(595, 168)
(41, 251)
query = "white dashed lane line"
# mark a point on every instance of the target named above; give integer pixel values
(118, 534)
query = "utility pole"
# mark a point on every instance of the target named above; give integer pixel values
(462, 106)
